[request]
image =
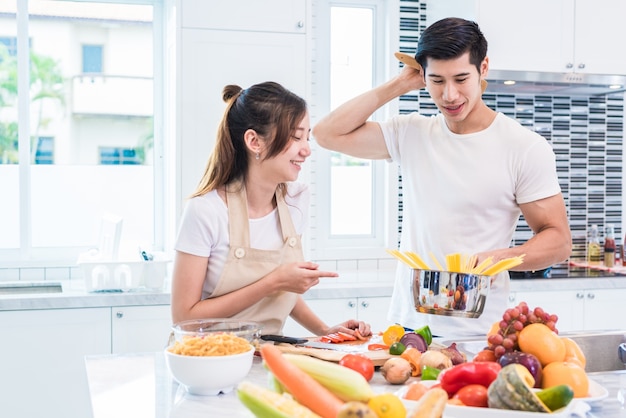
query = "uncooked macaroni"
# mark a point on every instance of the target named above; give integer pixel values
(211, 345)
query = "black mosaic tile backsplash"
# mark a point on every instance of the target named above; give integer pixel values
(586, 133)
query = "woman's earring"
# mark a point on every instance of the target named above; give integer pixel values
(257, 156)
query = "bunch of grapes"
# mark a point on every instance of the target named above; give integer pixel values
(513, 321)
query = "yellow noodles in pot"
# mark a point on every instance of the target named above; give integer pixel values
(211, 345)
(459, 263)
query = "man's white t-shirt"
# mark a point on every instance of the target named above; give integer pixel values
(203, 229)
(461, 194)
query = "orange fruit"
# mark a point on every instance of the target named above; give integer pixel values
(564, 373)
(540, 341)
(494, 329)
(573, 352)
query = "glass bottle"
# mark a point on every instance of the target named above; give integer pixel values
(594, 250)
(609, 245)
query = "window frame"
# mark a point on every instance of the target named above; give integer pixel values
(384, 184)
(28, 256)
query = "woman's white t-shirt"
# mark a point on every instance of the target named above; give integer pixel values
(461, 194)
(203, 229)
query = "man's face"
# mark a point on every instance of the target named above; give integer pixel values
(454, 85)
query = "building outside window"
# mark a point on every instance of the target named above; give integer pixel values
(77, 137)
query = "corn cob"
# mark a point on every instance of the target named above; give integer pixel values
(346, 383)
(267, 404)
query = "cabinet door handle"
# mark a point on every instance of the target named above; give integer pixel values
(351, 304)
(569, 65)
(511, 298)
(581, 65)
(590, 296)
(580, 295)
(120, 314)
(300, 24)
(365, 304)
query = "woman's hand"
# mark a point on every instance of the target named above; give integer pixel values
(351, 326)
(297, 277)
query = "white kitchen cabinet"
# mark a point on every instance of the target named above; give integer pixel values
(560, 36)
(221, 43)
(578, 36)
(245, 15)
(372, 310)
(140, 328)
(43, 368)
(578, 309)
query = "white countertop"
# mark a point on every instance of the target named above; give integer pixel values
(140, 386)
(348, 285)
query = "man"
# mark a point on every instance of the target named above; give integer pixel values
(467, 173)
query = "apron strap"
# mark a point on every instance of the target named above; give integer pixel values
(237, 209)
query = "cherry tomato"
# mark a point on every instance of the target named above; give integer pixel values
(473, 395)
(359, 363)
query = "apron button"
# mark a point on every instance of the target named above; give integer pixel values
(293, 241)
(240, 252)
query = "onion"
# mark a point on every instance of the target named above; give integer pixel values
(411, 339)
(455, 355)
(436, 359)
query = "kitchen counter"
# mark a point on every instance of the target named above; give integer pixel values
(348, 285)
(140, 386)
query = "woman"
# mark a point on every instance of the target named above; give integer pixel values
(238, 252)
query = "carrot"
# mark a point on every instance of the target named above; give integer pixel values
(302, 387)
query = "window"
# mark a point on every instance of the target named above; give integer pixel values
(92, 59)
(353, 199)
(10, 43)
(113, 155)
(73, 148)
(44, 153)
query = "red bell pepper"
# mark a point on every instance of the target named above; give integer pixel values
(456, 377)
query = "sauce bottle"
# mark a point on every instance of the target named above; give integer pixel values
(594, 250)
(609, 246)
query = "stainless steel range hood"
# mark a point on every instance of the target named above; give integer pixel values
(554, 84)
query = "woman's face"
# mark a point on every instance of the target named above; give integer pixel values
(287, 165)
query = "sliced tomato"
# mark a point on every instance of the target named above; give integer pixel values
(346, 336)
(376, 347)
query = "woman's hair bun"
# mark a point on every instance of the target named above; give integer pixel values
(230, 91)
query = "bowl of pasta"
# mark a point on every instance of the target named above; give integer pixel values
(211, 363)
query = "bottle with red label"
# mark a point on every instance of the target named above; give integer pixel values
(609, 245)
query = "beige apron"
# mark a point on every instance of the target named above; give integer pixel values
(245, 265)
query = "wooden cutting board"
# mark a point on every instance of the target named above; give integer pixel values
(378, 357)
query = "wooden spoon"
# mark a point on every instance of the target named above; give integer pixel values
(409, 60)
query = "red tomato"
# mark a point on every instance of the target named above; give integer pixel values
(472, 395)
(359, 363)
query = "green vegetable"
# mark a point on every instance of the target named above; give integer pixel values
(426, 333)
(397, 348)
(556, 397)
(430, 373)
